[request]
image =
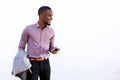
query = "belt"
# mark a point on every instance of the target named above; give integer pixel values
(37, 59)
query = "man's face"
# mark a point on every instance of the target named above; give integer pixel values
(47, 17)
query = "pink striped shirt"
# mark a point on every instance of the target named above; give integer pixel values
(39, 41)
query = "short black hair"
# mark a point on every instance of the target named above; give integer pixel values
(43, 8)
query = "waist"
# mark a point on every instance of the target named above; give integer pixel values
(37, 55)
(37, 59)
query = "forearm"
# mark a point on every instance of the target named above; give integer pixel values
(23, 40)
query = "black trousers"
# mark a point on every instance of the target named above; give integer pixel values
(39, 69)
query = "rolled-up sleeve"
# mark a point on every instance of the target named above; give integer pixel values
(23, 40)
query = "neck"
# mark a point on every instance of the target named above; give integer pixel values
(42, 24)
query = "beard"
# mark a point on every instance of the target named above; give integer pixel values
(47, 24)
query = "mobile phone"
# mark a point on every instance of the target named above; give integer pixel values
(57, 49)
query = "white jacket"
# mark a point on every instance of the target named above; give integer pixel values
(21, 63)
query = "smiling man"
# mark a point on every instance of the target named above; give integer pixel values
(39, 38)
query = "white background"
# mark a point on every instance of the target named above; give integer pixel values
(87, 32)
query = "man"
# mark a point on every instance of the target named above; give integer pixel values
(39, 38)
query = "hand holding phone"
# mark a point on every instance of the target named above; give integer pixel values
(57, 49)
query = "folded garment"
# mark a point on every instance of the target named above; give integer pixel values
(21, 63)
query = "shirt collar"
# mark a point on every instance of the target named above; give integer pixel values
(38, 26)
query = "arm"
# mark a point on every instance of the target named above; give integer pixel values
(23, 40)
(53, 49)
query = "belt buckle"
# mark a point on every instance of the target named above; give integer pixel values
(39, 59)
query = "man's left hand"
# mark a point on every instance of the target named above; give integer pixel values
(55, 51)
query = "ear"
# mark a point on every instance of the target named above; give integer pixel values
(41, 15)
